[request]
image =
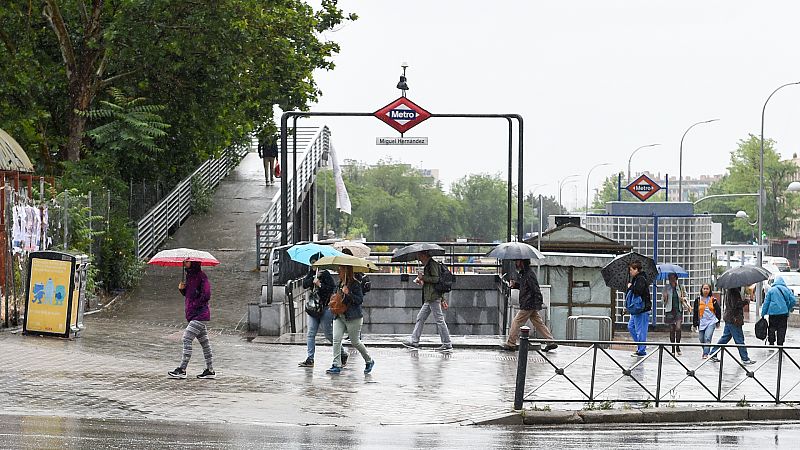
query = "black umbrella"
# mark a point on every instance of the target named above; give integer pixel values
(515, 250)
(742, 276)
(409, 252)
(617, 276)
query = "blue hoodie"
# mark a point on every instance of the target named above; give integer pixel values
(780, 299)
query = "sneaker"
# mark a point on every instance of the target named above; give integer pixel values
(749, 362)
(307, 363)
(678, 352)
(714, 358)
(705, 356)
(410, 344)
(177, 373)
(550, 346)
(345, 357)
(638, 355)
(369, 366)
(207, 374)
(444, 348)
(508, 348)
(334, 370)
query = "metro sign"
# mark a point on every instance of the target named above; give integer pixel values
(643, 188)
(402, 114)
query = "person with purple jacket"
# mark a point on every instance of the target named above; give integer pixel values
(197, 293)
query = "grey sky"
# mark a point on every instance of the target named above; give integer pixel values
(593, 79)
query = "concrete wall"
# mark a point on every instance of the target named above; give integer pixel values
(392, 305)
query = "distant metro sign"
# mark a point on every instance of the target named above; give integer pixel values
(643, 188)
(402, 114)
(401, 141)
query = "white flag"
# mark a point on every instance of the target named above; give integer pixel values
(342, 198)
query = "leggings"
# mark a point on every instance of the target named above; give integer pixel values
(196, 329)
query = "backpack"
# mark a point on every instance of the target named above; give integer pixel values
(366, 284)
(634, 303)
(761, 329)
(446, 280)
(313, 305)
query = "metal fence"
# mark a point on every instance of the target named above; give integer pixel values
(300, 182)
(154, 227)
(612, 378)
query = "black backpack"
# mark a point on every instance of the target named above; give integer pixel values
(446, 280)
(366, 284)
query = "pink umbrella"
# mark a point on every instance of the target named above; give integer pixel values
(176, 257)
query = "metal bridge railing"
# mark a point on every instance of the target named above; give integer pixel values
(154, 227)
(601, 380)
(268, 226)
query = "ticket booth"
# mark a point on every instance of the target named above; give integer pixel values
(55, 294)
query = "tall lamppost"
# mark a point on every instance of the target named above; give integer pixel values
(587, 183)
(533, 202)
(680, 158)
(631, 157)
(561, 186)
(761, 193)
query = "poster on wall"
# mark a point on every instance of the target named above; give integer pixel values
(47, 298)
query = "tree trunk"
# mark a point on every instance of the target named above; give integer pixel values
(80, 98)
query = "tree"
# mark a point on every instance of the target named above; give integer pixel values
(483, 206)
(743, 177)
(531, 214)
(606, 193)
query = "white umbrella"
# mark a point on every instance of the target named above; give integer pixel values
(358, 249)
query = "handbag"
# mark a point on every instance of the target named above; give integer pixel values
(313, 305)
(337, 303)
(761, 329)
(633, 303)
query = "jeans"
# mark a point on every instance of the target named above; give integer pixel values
(706, 336)
(353, 329)
(735, 332)
(434, 307)
(326, 322)
(637, 326)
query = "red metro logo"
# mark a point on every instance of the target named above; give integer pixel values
(643, 188)
(402, 114)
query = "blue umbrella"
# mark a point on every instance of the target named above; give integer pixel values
(302, 253)
(665, 269)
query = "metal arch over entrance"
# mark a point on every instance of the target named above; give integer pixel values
(295, 115)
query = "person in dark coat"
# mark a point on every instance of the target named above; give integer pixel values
(197, 293)
(268, 151)
(733, 316)
(321, 282)
(530, 303)
(638, 323)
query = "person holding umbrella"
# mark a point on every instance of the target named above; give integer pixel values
(530, 303)
(639, 321)
(433, 302)
(733, 315)
(197, 293)
(673, 296)
(321, 282)
(350, 321)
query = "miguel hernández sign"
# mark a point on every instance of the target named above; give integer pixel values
(643, 187)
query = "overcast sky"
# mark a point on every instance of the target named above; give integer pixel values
(593, 79)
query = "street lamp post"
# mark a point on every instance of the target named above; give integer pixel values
(533, 203)
(680, 158)
(761, 194)
(561, 186)
(631, 157)
(587, 183)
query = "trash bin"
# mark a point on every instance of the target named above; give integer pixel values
(55, 294)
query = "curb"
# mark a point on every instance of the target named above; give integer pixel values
(644, 416)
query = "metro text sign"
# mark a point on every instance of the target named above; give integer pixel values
(402, 114)
(643, 187)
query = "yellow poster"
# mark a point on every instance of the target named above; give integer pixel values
(47, 303)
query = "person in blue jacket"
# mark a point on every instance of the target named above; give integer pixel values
(779, 302)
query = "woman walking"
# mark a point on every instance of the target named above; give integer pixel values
(350, 321)
(638, 323)
(673, 296)
(321, 283)
(197, 293)
(706, 315)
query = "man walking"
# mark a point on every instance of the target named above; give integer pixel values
(778, 304)
(433, 302)
(268, 151)
(530, 303)
(733, 315)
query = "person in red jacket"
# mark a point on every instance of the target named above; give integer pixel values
(197, 293)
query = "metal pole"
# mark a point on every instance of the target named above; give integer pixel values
(778, 383)
(522, 367)
(680, 158)
(761, 196)
(520, 173)
(66, 218)
(631, 157)
(508, 200)
(91, 238)
(296, 236)
(587, 183)
(539, 237)
(658, 377)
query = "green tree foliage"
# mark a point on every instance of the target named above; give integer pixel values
(743, 177)
(531, 214)
(606, 193)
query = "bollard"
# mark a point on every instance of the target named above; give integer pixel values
(522, 366)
